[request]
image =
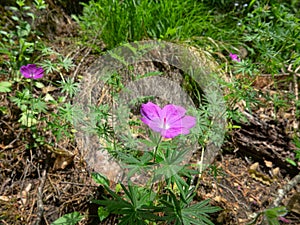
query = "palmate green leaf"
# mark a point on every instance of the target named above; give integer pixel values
(178, 212)
(148, 143)
(68, 219)
(21, 98)
(172, 209)
(135, 206)
(138, 196)
(69, 86)
(198, 213)
(136, 164)
(117, 205)
(39, 105)
(170, 168)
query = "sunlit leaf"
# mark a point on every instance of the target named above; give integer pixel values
(5, 86)
(102, 213)
(100, 179)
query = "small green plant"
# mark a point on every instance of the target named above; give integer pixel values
(270, 31)
(29, 104)
(35, 108)
(168, 195)
(271, 216)
(68, 219)
(69, 87)
(296, 152)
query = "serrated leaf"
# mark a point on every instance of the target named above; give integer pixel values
(5, 86)
(68, 219)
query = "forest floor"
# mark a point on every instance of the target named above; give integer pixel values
(38, 186)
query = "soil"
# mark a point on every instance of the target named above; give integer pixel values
(37, 186)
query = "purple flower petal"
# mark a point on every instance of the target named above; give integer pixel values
(31, 71)
(150, 111)
(169, 121)
(171, 133)
(155, 124)
(173, 113)
(234, 57)
(151, 116)
(182, 126)
(189, 122)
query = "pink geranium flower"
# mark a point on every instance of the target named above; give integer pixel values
(234, 57)
(169, 121)
(31, 71)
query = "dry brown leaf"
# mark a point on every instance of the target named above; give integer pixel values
(268, 163)
(25, 194)
(62, 161)
(254, 166)
(48, 89)
(4, 198)
(275, 172)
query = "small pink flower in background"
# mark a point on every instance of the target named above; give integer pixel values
(234, 57)
(281, 218)
(169, 121)
(31, 71)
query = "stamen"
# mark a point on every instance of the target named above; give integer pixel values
(165, 121)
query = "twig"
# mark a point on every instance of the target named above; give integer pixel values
(233, 195)
(297, 69)
(286, 188)
(2, 221)
(40, 205)
(78, 184)
(81, 61)
(296, 87)
(46, 221)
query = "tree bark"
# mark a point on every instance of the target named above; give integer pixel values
(263, 141)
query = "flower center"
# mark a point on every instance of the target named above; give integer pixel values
(165, 125)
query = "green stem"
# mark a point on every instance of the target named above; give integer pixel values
(31, 104)
(154, 159)
(156, 148)
(200, 169)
